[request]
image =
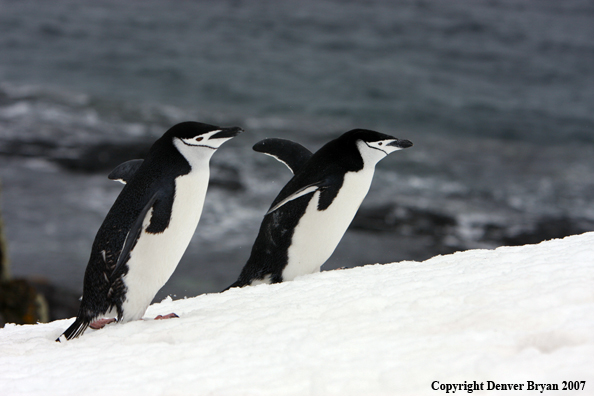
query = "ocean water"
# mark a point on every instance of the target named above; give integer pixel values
(497, 96)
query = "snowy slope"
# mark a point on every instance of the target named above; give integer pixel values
(510, 315)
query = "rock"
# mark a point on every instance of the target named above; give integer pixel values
(101, 157)
(62, 303)
(446, 232)
(20, 303)
(4, 264)
(543, 229)
(405, 220)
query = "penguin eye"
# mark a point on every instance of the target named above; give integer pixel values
(199, 138)
(380, 143)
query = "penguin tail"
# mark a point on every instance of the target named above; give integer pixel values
(75, 330)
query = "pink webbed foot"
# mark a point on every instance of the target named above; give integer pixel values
(100, 323)
(169, 316)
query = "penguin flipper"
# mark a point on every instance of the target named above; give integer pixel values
(292, 154)
(328, 186)
(125, 171)
(132, 237)
(299, 193)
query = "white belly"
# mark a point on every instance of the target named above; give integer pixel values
(155, 256)
(318, 232)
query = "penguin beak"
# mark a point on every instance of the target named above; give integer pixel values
(400, 143)
(227, 133)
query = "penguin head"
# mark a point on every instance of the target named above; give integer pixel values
(374, 146)
(195, 140)
(196, 134)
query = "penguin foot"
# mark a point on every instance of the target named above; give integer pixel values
(168, 316)
(100, 323)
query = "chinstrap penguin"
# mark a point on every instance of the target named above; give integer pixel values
(312, 212)
(149, 227)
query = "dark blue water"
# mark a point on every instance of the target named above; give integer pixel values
(498, 97)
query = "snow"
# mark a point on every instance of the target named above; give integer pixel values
(509, 315)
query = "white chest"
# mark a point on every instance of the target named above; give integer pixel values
(155, 256)
(318, 232)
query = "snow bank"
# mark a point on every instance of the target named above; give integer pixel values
(510, 315)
